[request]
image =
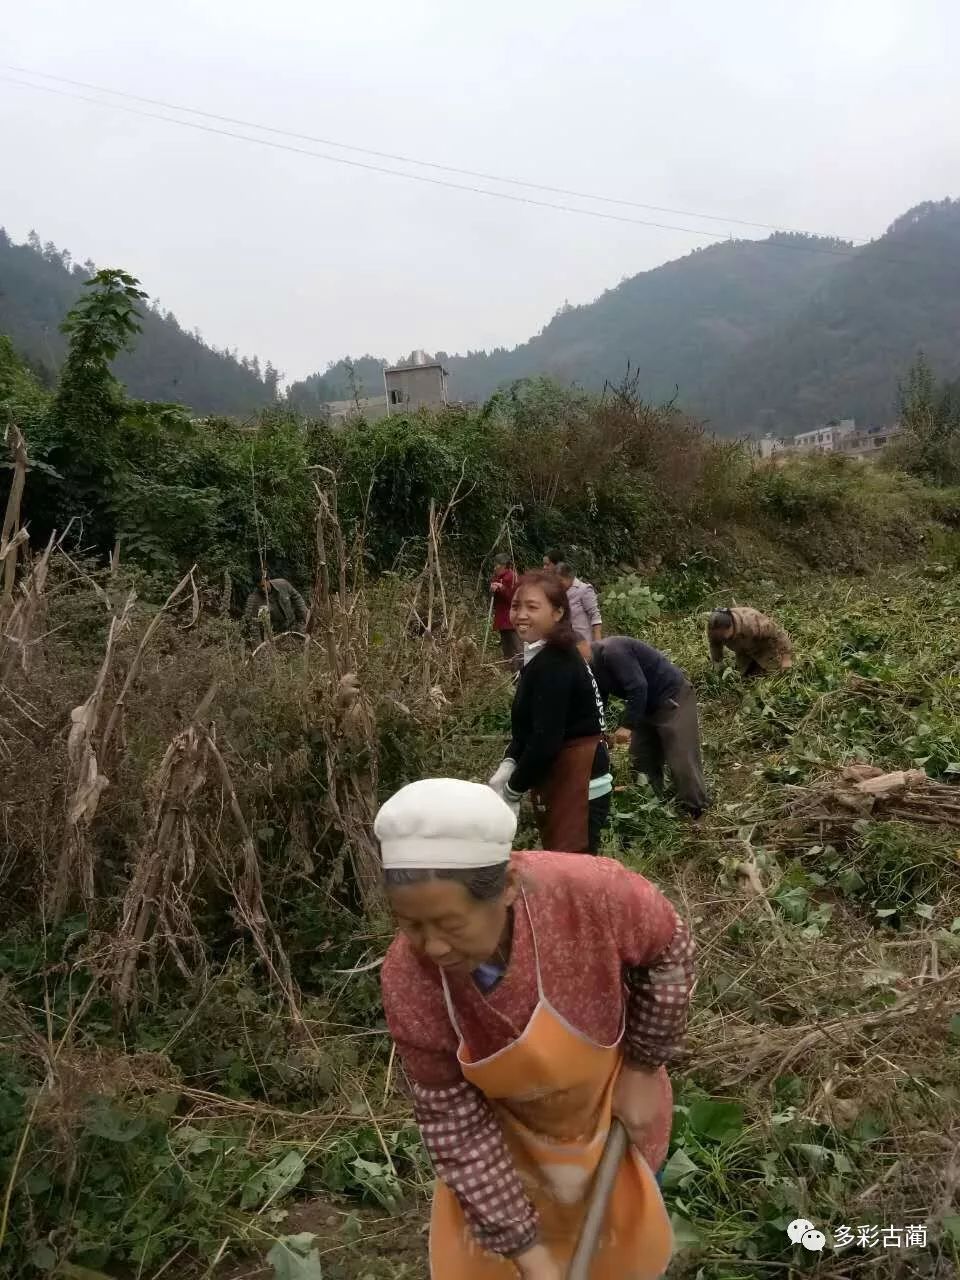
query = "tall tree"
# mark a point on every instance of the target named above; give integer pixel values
(929, 445)
(82, 433)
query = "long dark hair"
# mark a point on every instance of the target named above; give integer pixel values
(563, 635)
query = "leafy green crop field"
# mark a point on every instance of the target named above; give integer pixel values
(822, 1080)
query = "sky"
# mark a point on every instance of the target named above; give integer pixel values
(833, 116)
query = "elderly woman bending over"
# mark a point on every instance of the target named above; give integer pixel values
(531, 996)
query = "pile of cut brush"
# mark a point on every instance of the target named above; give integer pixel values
(863, 791)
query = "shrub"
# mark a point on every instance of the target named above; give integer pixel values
(628, 605)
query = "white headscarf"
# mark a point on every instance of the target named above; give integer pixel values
(441, 823)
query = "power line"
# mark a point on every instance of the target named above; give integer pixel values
(360, 164)
(810, 246)
(402, 159)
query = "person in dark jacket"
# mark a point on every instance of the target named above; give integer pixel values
(503, 586)
(659, 718)
(558, 751)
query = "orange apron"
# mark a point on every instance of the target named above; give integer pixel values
(551, 1091)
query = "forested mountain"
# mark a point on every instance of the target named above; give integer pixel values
(39, 285)
(344, 380)
(845, 348)
(776, 334)
(677, 325)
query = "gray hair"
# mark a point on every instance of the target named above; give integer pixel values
(484, 884)
(720, 618)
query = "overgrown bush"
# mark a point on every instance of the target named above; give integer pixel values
(628, 605)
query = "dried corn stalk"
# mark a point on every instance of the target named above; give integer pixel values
(352, 791)
(75, 869)
(155, 906)
(18, 623)
(12, 536)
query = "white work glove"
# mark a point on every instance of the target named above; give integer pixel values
(501, 776)
(512, 801)
(499, 782)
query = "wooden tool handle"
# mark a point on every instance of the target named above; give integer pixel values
(614, 1150)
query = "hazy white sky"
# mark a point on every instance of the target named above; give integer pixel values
(831, 116)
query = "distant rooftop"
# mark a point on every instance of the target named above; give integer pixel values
(417, 360)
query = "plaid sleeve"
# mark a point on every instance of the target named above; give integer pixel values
(658, 1003)
(466, 1145)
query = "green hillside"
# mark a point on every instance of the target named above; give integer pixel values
(39, 285)
(844, 349)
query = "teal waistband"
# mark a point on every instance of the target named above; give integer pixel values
(601, 786)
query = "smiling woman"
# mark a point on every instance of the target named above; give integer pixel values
(531, 996)
(557, 751)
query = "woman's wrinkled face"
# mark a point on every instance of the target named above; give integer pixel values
(532, 614)
(444, 923)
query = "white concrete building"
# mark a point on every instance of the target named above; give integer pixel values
(420, 383)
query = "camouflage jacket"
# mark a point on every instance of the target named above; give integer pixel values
(756, 639)
(288, 610)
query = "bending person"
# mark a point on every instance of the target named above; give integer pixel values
(274, 605)
(760, 645)
(530, 998)
(659, 718)
(557, 751)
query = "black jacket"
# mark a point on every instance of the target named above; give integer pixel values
(643, 676)
(557, 699)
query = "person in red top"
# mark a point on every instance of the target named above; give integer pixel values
(503, 586)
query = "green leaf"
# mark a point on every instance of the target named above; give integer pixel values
(43, 1257)
(685, 1234)
(678, 1167)
(794, 903)
(816, 1155)
(106, 1121)
(716, 1120)
(850, 881)
(953, 1027)
(291, 1262)
(924, 910)
(274, 1180)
